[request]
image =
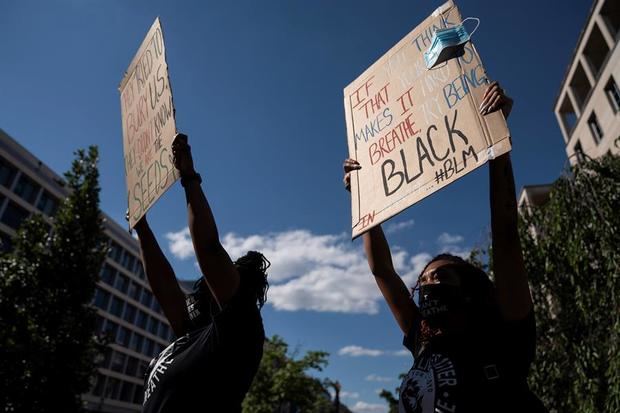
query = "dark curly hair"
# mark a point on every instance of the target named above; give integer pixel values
(252, 269)
(482, 310)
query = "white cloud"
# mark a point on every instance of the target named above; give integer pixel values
(363, 407)
(402, 353)
(325, 273)
(357, 351)
(381, 379)
(180, 243)
(349, 395)
(398, 226)
(445, 239)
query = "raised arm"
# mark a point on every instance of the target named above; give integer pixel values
(161, 278)
(513, 292)
(379, 258)
(218, 269)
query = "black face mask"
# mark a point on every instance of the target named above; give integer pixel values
(437, 301)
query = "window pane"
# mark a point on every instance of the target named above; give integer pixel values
(108, 274)
(112, 387)
(111, 328)
(132, 366)
(122, 283)
(142, 319)
(47, 204)
(136, 342)
(14, 215)
(7, 173)
(134, 291)
(613, 94)
(123, 336)
(153, 325)
(130, 313)
(117, 306)
(138, 395)
(127, 391)
(149, 347)
(146, 298)
(27, 189)
(99, 384)
(102, 299)
(118, 361)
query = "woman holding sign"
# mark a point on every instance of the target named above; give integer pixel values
(472, 340)
(220, 331)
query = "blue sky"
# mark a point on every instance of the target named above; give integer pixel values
(258, 87)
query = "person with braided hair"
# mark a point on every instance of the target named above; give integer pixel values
(219, 329)
(472, 339)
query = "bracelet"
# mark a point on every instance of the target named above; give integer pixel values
(185, 180)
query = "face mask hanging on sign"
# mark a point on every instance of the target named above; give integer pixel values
(446, 42)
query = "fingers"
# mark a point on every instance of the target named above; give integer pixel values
(351, 165)
(493, 99)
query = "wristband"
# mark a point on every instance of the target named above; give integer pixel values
(185, 180)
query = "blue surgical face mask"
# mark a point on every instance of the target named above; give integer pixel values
(446, 41)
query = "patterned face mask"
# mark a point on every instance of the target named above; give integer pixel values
(437, 301)
(446, 42)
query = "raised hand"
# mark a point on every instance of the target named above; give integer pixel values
(182, 155)
(348, 166)
(495, 98)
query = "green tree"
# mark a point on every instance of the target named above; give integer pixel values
(46, 284)
(572, 252)
(283, 384)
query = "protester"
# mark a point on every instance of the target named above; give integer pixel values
(212, 363)
(472, 339)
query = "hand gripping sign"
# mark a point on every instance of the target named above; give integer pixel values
(148, 125)
(415, 129)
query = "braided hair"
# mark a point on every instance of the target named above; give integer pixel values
(252, 268)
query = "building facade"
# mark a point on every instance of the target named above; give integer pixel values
(588, 103)
(126, 307)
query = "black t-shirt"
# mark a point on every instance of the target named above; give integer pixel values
(457, 374)
(210, 369)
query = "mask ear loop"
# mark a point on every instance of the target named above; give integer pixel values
(475, 28)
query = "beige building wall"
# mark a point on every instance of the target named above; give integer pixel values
(588, 105)
(126, 307)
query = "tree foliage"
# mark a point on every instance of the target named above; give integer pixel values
(572, 252)
(283, 384)
(46, 285)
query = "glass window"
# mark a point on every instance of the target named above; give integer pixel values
(140, 271)
(138, 395)
(118, 361)
(163, 331)
(123, 336)
(115, 251)
(613, 94)
(112, 387)
(111, 328)
(127, 391)
(47, 204)
(99, 323)
(579, 152)
(102, 299)
(155, 306)
(142, 319)
(99, 384)
(142, 366)
(134, 291)
(146, 298)
(132, 366)
(149, 347)
(130, 313)
(117, 306)
(121, 283)
(14, 215)
(27, 189)
(107, 356)
(108, 274)
(153, 325)
(136, 342)
(595, 128)
(7, 173)
(6, 243)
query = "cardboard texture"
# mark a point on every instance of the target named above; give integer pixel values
(148, 125)
(415, 130)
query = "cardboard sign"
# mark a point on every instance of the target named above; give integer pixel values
(415, 130)
(148, 125)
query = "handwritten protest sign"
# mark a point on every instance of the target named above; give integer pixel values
(148, 125)
(415, 130)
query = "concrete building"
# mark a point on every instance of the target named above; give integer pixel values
(588, 103)
(126, 308)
